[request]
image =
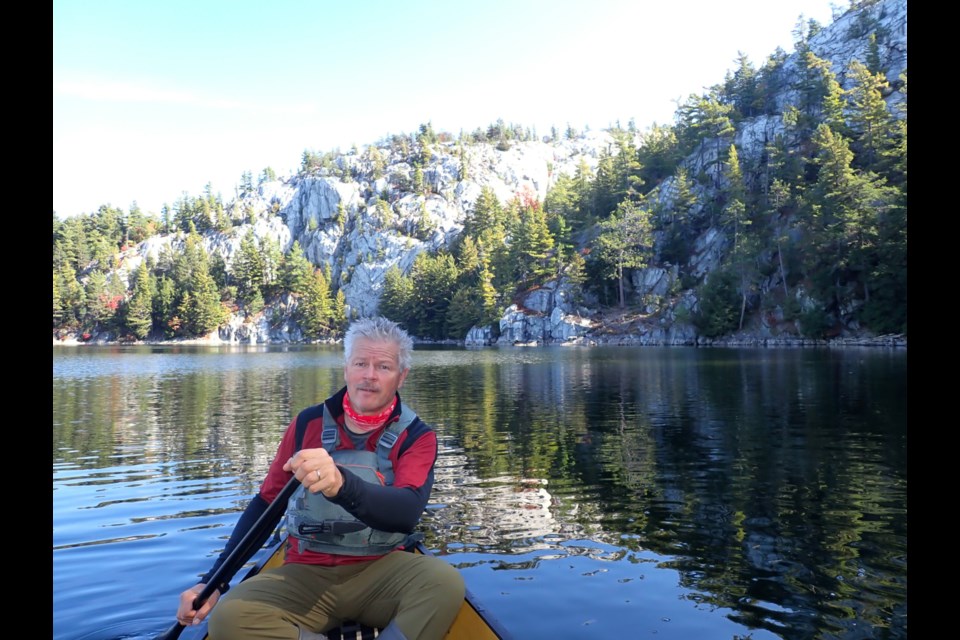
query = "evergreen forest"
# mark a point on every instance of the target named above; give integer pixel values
(822, 211)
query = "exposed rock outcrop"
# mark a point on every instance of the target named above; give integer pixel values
(362, 220)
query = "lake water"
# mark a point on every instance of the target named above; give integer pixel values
(585, 492)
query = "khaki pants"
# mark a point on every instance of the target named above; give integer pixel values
(421, 594)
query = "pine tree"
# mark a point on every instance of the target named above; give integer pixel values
(248, 269)
(577, 276)
(742, 88)
(486, 293)
(704, 119)
(717, 304)
(425, 223)
(849, 207)
(896, 154)
(487, 214)
(73, 244)
(464, 161)
(254, 303)
(871, 122)
(605, 193)
(377, 162)
(341, 217)
(821, 97)
(139, 318)
(418, 185)
(434, 281)
(873, 55)
(628, 169)
(57, 301)
(267, 175)
(396, 298)
(206, 216)
(464, 312)
(734, 214)
(533, 243)
(218, 270)
(103, 251)
(138, 227)
(561, 204)
(384, 213)
(717, 125)
(295, 270)
(204, 313)
(564, 246)
(166, 217)
(246, 183)
(338, 313)
(313, 313)
(165, 306)
(468, 260)
(735, 218)
(771, 80)
(777, 199)
(658, 154)
(183, 213)
(116, 288)
(271, 284)
(675, 220)
(196, 303)
(73, 298)
(583, 179)
(96, 289)
(625, 242)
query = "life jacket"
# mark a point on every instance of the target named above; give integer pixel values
(320, 525)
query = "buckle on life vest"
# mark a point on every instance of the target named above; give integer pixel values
(328, 436)
(388, 439)
(336, 527)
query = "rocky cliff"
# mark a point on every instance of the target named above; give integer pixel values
(334, 215)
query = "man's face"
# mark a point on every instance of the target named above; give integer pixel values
(373, 375)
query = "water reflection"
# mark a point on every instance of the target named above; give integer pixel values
(770, 484)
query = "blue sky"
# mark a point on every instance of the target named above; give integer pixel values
(152, 99)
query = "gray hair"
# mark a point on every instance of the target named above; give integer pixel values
(379, 329)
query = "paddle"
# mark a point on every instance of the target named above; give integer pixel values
(244, 549)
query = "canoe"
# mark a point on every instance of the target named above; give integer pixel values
(473, 622)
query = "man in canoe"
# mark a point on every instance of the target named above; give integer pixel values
(366, 465)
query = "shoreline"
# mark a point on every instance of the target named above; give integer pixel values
(898, 341)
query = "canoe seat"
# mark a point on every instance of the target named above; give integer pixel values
(353, 631)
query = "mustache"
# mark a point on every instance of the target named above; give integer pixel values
(367, 388)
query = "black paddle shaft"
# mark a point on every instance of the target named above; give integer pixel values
(244, 549)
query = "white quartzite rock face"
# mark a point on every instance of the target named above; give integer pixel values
(360, 249)
(361, 253)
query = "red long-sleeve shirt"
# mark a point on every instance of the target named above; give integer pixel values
(396, 507)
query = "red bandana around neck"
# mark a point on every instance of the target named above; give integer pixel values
(367, 423)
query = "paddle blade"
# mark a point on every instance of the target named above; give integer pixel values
(172, 633)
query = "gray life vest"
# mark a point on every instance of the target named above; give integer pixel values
(322, 526)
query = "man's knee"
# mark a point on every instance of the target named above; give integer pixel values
(225, 620)
(434, 601)
(446, 584)
(453, 580)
